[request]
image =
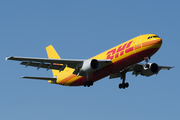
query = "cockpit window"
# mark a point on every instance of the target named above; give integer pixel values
(153, 37)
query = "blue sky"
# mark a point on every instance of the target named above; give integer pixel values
(79, 30)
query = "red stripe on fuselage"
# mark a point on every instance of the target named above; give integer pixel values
(137, 46)
(157, 41)
(67, 79)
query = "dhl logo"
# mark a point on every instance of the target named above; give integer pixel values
(120, 51)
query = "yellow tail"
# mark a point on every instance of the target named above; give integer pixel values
(51, 52)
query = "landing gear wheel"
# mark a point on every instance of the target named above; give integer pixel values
(88, 83)
(84, 84)
(120, 86)
(127, 85)
(91, 83)
(124, 85)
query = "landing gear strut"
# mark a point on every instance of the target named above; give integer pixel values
(123, 84)
(88, 83)
(146, 59)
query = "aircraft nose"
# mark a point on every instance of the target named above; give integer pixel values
(158, 41)
(155, 42)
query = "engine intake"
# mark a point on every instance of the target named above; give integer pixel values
(150, 69)
(90, 65)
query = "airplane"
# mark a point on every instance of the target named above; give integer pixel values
(115, 63)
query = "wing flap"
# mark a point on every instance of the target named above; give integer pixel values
(45, 65)
(116, 75)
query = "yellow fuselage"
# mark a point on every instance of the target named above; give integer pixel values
(122, 56)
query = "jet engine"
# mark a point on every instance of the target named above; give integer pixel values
(90, 65)
(150, 69)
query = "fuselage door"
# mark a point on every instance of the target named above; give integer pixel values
(138, 43)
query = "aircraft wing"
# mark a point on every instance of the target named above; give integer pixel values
(57, 64)
(137, 69)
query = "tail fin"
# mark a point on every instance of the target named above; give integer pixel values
(51, 52)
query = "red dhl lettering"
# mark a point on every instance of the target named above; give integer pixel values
(110, 54)
(120, 51)
(129, 49)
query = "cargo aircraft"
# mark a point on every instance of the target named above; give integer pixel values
(115, 62)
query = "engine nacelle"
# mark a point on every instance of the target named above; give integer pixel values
(150, 69)
(90, 65)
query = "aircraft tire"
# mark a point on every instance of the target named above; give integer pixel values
(120, 86)
(127, 84)
(88, 83)
(124, 85)
(91, 83)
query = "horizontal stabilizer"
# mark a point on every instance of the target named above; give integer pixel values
(40, 78)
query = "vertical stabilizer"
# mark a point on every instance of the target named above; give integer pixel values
(52, 54)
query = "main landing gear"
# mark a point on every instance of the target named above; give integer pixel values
(123, 84)
(88, 83)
